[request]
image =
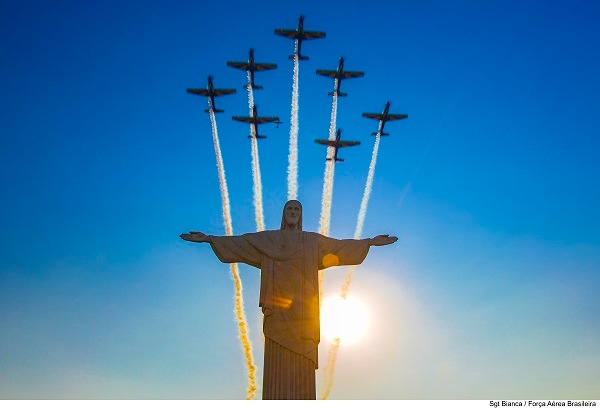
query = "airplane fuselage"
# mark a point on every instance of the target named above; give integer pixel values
(251, 67)
(384, 117)
(336, 145)
(298, 35)
(338, 75)
(210, 92)
(254, 121)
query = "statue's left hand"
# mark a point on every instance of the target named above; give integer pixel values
(194, 236)
(380, 240)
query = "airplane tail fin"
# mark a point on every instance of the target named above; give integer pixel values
(254, 87)
(338, 159)
(214, 110)
(382, 134)
(329, 159)
(338, 94)
(257, 136)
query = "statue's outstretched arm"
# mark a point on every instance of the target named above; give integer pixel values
(195, 236)
(380, 240)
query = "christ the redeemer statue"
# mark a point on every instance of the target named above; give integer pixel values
(289, 260)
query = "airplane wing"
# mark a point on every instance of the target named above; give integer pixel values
(264, 66)
(376, 116)
(243, 119)
(197, 91)
(330, 74)
(239, 65)
(352, 74)
(311, 35)
(348, 143)
(287, 33)
(266, 119)
(325, 142)
(396, 116)
(219, 92)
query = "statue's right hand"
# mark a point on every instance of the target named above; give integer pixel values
(194, 236)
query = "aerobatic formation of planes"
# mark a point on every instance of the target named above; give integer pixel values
(298, 35)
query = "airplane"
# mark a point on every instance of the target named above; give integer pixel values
(384, 117)
(251, 67)
(339, 74)
(336, 144)
(278, 122)
(255, 120)
(299, 35)
(211, 92)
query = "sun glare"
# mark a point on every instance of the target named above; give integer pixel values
(347, 319)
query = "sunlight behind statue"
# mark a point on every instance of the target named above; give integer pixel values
(289, 260)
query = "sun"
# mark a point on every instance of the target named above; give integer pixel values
(347, 319)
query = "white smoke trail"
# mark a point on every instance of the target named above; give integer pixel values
(294, 126)
(326, 200)
(243, 332)
(250, 93)
(257, 181)
(221, 171)
(239, 299)
(258, 204)
(333, 350)
(330, 367)
(362, 213)
(324, 225)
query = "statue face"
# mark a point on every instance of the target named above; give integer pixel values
(292, 211)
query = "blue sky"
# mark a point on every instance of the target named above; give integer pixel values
(492, 186)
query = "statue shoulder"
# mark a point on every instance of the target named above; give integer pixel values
(261, 235)
(313, 236)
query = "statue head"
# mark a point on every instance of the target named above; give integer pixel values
(292, 216)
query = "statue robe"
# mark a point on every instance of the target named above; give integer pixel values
(289, 297)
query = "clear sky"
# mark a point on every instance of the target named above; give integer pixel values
(492, 186)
